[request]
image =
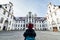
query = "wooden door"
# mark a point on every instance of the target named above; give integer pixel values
(55, 29)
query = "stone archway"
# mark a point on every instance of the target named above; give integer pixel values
(55, 29)
(5, 25)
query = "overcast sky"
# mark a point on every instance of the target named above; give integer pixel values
(22, 7)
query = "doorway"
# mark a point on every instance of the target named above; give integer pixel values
(4, 28)
(5, 25)
(55, 29)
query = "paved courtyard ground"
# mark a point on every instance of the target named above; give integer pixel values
(18, 35)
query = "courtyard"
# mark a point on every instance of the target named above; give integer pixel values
(40, 35)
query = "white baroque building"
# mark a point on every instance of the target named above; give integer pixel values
(6, 16)
(39, 22)
(9, 22)
(53, 17)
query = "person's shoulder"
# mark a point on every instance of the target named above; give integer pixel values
(27, 29)
(30, 30)
(33, 29)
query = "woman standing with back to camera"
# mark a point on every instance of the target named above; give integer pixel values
(29, 34)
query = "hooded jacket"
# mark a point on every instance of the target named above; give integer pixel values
(30, 33)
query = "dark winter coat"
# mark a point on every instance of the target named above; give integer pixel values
(30, 33)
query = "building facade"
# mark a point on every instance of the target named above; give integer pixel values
(6, 16)
(53, 17)
(9, 22)
(39, 22)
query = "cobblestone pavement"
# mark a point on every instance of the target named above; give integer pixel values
(18, 35)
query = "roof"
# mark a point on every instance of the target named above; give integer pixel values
(40, 18)
(20, 18)
(36, 18)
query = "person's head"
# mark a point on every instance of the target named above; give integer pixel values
(30, 26)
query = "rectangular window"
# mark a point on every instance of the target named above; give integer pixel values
(40, 25)
(24, 25)
(16, 25)
(1, 20)
(0, 6)
(21, 25)
(8, 14)
(10, 9)
(24, 21)
(43, 25)
(4, 12)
